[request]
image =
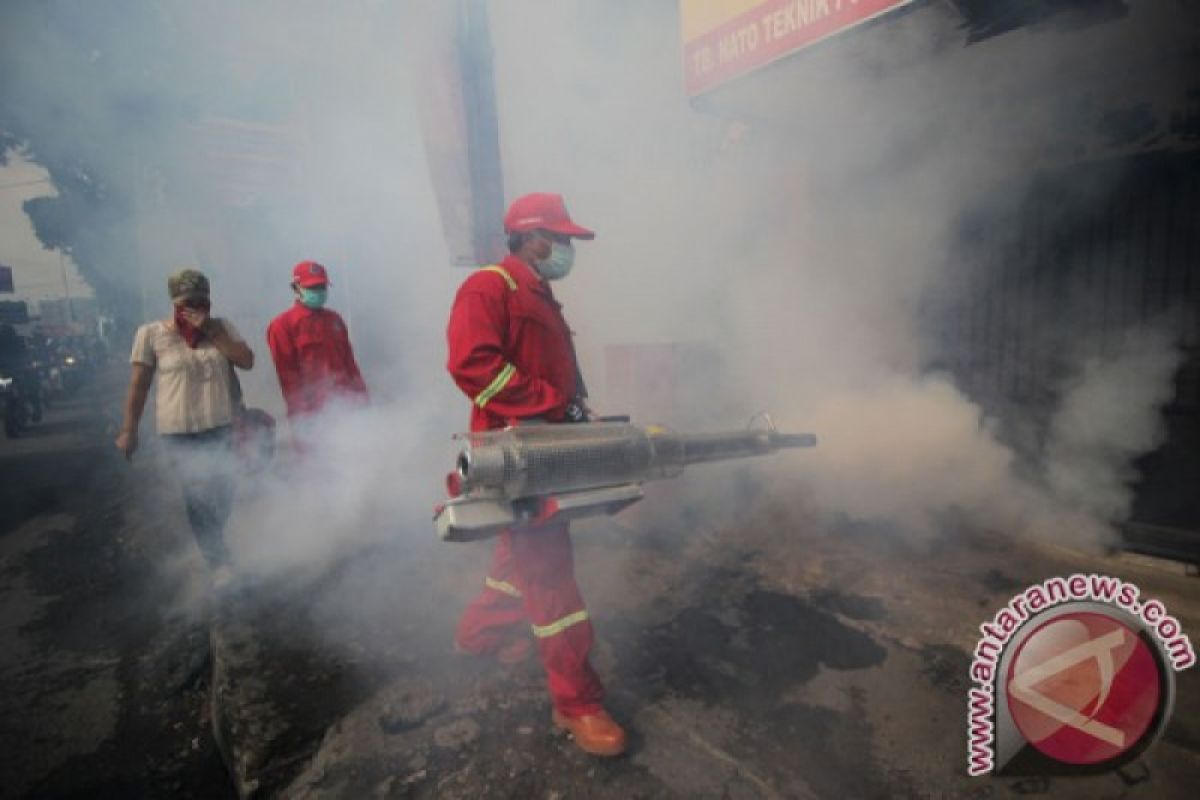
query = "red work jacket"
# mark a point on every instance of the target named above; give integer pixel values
(311, 351)
(510, 348)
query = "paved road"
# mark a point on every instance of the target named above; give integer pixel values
(772, 659)
(103, 686)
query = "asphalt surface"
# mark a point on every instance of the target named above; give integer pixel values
(104, 683)
(775, 657)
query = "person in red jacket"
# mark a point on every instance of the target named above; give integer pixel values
(311, 348)
(510, 352)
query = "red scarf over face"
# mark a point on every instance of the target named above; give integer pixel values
(190, 333)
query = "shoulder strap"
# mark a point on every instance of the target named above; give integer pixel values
(503, 273)
(509, 298)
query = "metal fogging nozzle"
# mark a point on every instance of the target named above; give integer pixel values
(561, 472)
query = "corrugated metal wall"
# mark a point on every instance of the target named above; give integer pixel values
(1070, 262)
(1088, 251)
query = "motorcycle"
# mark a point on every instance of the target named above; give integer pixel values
(47, 386)
(73, 370)
(15, 406)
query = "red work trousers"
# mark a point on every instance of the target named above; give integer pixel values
(532, 580)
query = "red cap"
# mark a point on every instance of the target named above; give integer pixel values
(308, 274)
(542, 211)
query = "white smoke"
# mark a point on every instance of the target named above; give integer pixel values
(801, 250)
(1107, 417)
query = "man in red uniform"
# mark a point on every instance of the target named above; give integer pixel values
(511, 354)
(311, 349)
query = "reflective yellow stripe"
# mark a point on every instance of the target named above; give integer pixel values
(501, 586)
(558, 626)
(496, 386)
(503, 273)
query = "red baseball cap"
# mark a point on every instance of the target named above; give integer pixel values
(543, 211)
(308, 274)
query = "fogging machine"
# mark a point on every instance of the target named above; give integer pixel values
(533, 474)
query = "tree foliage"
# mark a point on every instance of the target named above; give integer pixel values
(76, 100)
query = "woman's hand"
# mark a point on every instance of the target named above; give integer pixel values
(237, 351)
(140, 376)
(196, 317)
(127, 442)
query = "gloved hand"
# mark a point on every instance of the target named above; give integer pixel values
(575, 411)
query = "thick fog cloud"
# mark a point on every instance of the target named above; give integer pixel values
(806, 250)
(801, 253)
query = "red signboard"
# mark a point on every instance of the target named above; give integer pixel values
(768, 31)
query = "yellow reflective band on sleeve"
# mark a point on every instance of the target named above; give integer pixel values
(496, 386)
(558, 626)
(503, 273)
(502, 586)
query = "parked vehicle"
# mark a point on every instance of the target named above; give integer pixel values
(15, 406)
(74, 367)
(49, 378)
(20, 387)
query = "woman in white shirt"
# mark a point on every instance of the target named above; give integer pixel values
(193, 354)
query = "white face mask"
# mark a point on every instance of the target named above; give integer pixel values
(558, 264)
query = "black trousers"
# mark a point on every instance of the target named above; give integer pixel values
(204, 463)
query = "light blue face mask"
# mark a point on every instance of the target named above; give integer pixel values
(313, 298)
(558, 264)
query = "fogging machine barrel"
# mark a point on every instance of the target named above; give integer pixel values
(540, 459)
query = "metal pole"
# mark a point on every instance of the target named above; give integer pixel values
(139, 210)
(62, 263)
(349, 306)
